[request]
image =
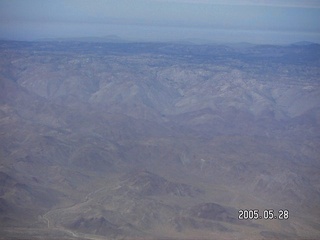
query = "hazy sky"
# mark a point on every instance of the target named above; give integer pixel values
(273, 21)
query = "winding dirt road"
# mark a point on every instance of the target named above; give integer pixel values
(74, 234)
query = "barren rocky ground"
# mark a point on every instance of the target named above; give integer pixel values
(158, 140)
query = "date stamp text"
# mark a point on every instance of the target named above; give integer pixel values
(267, 214)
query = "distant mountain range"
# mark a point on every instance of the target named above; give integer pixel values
(189, 41)
(110, 38)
